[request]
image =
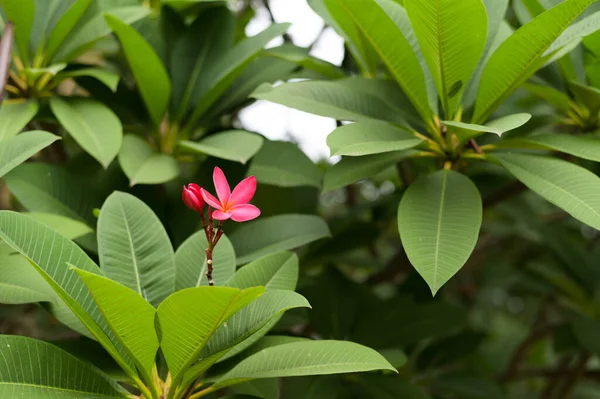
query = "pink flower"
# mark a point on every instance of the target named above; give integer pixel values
(234, 204)
(192, 197)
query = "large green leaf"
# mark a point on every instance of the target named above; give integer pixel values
(64, 26)
(203, 42)
(301, 57)
(452, 37)
(352, 169)
(95, 28)
(243, 326)
(439, 219)
(277, 271)
(142, 165)
(19, 282)
(331, 99)
(49, 189)
(306, 358)
(360, 48)
(191, 316)
(233, 145)
(366, 138)
(68, 227)
(397, 54)
(557, 98)
(588, 95)
(134, 247)
(285, 165)
(149, 72)
(277, 233)
(129, 316)
(25, 373)
(93, 125)
(17, 150)
(223, 71)
(586, 147)
(14, 116)
(190, 262)
(515, 60)
(568, 186)
(21, 14)
(50, 254)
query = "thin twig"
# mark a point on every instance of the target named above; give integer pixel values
(572, 377)
(553, 383)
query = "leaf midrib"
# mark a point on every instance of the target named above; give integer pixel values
(132, 251)
(439, 231)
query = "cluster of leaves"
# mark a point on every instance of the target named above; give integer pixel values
(467, 132)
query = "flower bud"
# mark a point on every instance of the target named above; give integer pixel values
(192, 197)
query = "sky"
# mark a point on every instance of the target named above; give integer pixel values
(277, 122)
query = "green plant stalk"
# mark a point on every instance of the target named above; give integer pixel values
(203, 392)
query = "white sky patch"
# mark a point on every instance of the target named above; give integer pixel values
(277, 122)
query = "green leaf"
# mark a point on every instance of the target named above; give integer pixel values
(21, 14)
(64, 26)
(586, 146)
(190, 317)
(587, 330)
(300, 56)
(574, 33)
(568, 186)
(452, 37)
(267, 388)
(360, 48)
(129, 316)
(190, 262)
(233, 145)
(50, 253)
(147, 68)
(331, 99)
(352, 169)
(366, 138)
(284, 165)
(34, 74)
(142, 165)
(557, 98)
(588, 95)
(14, 116)
(277, 233)
(68, 227)
(515, 60)
(93, 125)
(110, 79)
(209, 36)
(134, 247)
(396, 54)
(17, 150)
(96, 28)
(439, 219)
(277, 271)
(306, 358)
(49, 189)
(19, 282)
(25, 373)
(223, 71)
(465, 131)
(230, 338)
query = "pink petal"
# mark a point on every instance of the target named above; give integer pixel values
(193, 187)
(243, 213)
(211, 200)
(221, 185)
(243, 192)
(219, 215)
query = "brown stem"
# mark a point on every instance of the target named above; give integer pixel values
(553, 383)
(572, 378)
(536, 334)
(209, 263)
(476, 146)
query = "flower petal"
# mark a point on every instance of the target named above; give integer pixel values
(193, 187)
(243, 192)
(221, 185)
(243, 213)
(211, 200)
(220, 215)
(192, 200)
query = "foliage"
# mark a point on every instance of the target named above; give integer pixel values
(451, 252)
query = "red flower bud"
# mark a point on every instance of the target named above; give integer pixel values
(192, 197)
